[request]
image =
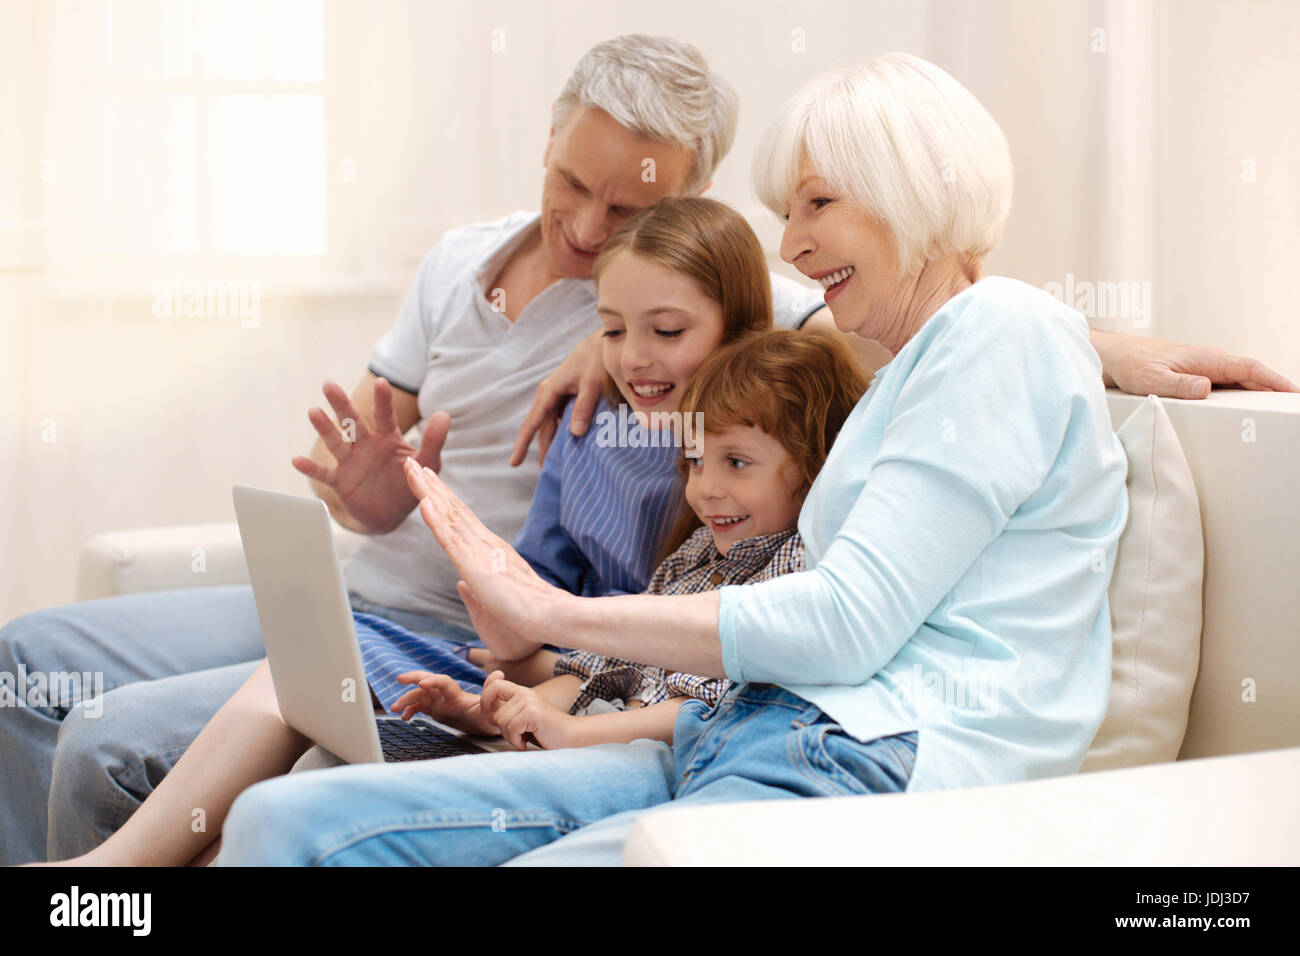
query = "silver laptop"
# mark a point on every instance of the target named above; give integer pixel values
(311, 642)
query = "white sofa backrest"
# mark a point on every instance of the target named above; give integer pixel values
(1244, 452)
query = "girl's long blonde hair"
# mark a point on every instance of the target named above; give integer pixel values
(709, 242)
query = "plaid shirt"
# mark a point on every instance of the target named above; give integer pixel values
(694, 567)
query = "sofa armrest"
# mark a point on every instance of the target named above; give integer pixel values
(1221, 811)
(164, 559)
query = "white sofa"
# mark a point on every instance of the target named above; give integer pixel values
(1229, 799)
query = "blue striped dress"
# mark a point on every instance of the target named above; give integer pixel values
(602, 505)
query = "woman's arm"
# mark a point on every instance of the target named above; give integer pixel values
(976, 429)
(681, 635)
(836, 624)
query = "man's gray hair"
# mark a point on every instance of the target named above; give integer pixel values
(661, 89)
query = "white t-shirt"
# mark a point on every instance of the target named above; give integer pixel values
(461, 356)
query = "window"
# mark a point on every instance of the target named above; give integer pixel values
(198, 137)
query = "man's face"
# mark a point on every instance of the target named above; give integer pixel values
(595, 180)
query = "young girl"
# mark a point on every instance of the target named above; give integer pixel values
(675, 282)
(772, 404)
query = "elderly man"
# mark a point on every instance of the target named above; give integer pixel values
(493, 311)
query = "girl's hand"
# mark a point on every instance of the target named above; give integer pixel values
(511, 607)
(520, 713)
(443, 699)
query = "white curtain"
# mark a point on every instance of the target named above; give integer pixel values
(1155, 143)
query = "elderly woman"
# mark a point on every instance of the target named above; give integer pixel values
(952, 626)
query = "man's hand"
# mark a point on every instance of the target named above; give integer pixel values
(443, 699)
(368, 476)
(581, 374)
(521, 714)
(1144, 366)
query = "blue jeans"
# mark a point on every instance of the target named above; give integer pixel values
(558, 807)
(72, 774)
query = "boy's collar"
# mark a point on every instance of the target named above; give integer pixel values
(762, 545)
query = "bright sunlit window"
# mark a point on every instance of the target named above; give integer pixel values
(213, 126)
(197, 131)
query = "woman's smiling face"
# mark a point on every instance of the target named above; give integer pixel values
(660, 326)
(832, 239)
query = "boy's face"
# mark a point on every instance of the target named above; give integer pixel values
(743, 484)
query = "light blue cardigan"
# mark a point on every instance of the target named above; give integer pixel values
(960, 541)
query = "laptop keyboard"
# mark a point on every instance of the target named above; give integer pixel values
(416, 740)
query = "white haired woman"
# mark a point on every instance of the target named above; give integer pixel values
(960, 536)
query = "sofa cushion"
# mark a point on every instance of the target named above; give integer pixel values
(1155, 600)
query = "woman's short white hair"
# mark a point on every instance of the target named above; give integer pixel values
(906, 141)
(661, 89)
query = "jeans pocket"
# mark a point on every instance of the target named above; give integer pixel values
(882, 765)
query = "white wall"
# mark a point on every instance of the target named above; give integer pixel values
(1128, 167)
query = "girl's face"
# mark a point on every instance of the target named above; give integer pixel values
(743, 484)
(659, 328)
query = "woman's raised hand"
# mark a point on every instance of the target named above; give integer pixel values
(367, 475)
(507, 601)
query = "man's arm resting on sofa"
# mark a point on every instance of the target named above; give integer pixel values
(1142, 366)
(1139, 366)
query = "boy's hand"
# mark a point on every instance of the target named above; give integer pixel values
(520, 713)
(443, 699)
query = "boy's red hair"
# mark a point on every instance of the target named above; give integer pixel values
(797, 387)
